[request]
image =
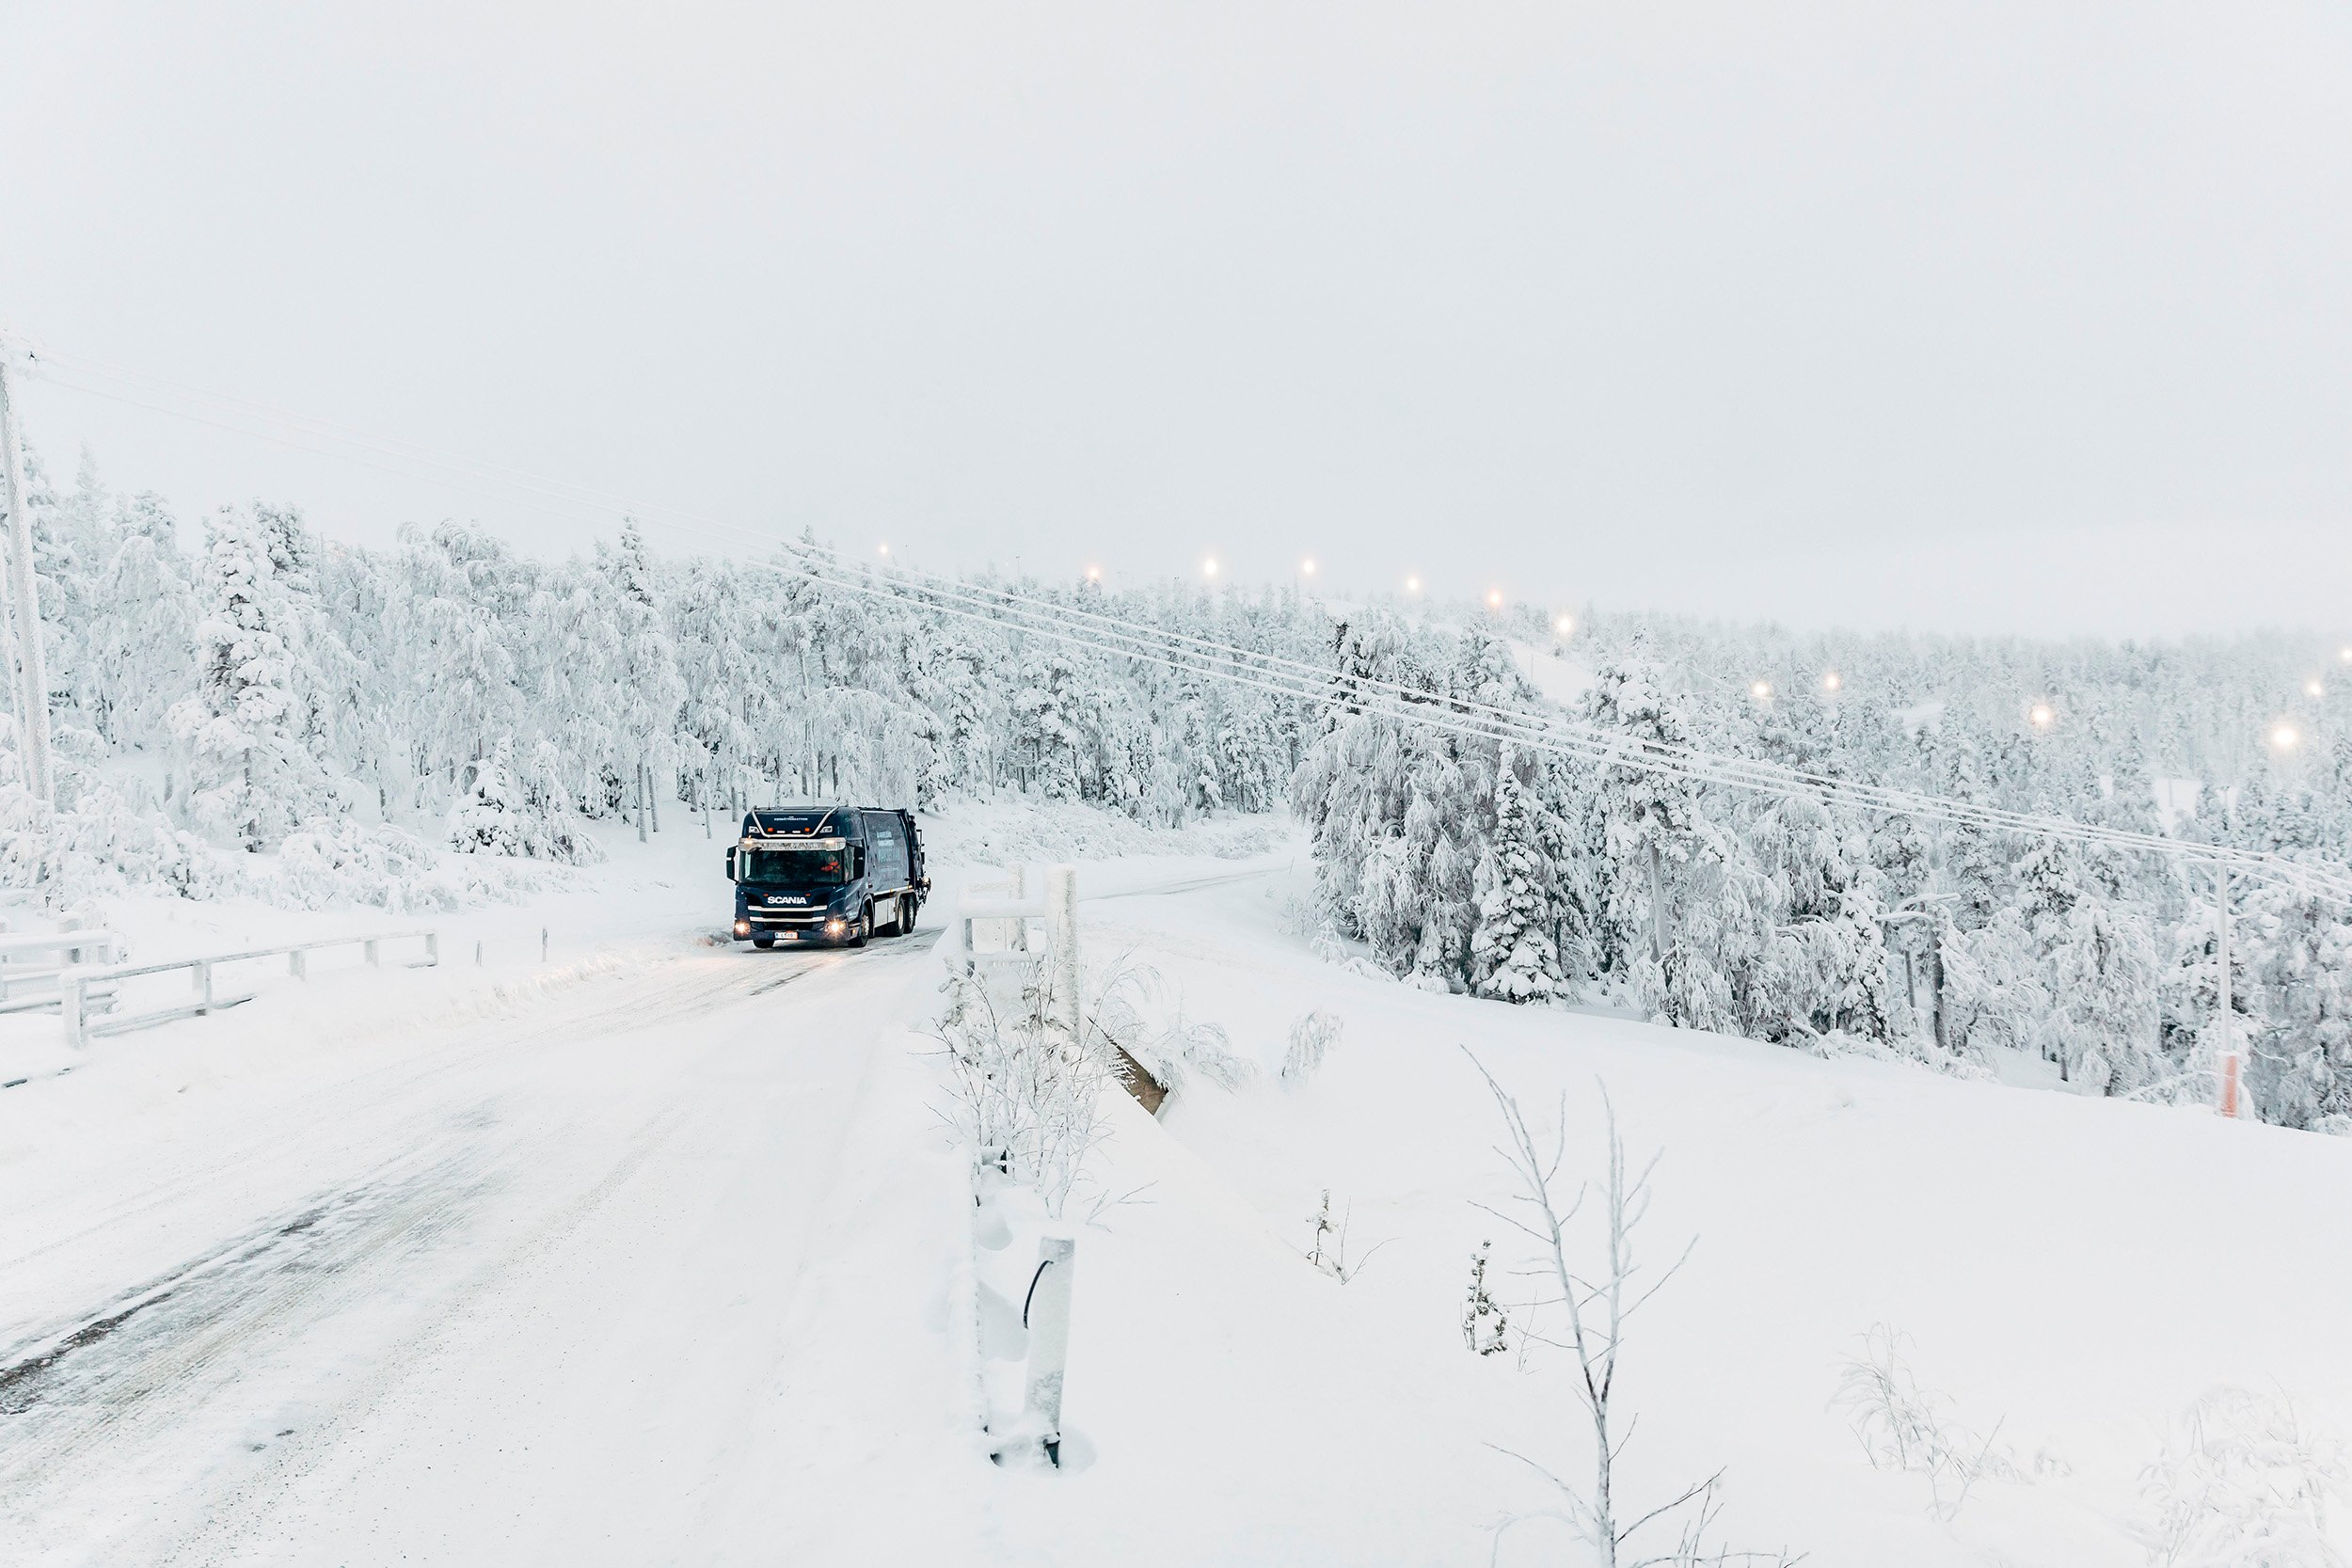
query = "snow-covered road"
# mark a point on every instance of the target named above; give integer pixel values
(505, 1295)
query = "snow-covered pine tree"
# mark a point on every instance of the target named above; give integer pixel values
(1512, 953)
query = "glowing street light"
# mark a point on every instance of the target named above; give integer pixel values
(1832, 681)
(2345, 653)
(1307, 568)
(1761, 692)
(1094, 574)
(1494, 598)
(2312, 688)
(1208, 568)
(1566, 625)
(2043, 716)
(885, 549)
(2285, 738)
(1413, 585)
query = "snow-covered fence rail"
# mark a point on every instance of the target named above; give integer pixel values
(994, 930)
(33, 965)
(81, 986)
(1004, 921)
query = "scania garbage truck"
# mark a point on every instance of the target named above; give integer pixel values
(826, 875)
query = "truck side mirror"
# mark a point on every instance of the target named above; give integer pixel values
(731, 876)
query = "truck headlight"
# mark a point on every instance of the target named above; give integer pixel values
(835, 924)
(743, 927)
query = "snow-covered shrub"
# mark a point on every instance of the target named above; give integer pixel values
(1902, 1426)
(1197, 1048)
(333, 862)
(1907, 1048)
(1023, 1094)
(2241, 1483)
(497, 811)
(328, 862)
(98, 848)
(1313, 1036)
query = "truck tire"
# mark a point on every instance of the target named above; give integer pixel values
(864, 928)
(763, 942)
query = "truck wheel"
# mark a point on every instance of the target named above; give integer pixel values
(763, 942)
(864, 927)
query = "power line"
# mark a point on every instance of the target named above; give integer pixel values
(1060, 621)
(1005, 609)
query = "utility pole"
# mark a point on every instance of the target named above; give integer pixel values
(32, 689)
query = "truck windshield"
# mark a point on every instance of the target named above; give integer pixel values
(797, 865)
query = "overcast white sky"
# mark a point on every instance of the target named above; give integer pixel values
(2004, 317)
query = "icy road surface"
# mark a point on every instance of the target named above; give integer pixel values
(542, 1289)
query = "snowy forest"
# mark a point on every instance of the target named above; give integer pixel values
(242, 708)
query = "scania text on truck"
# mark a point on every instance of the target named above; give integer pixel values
(821, 874)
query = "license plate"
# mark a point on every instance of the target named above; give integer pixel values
(787, 936)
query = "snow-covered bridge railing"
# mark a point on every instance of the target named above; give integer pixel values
(33, 965)
(81, 986)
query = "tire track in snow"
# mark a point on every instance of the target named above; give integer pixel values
(675, 996)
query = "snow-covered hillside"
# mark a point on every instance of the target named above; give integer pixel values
(663, 1252)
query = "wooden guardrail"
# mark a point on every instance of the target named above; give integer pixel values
(25, 985)
(82, 984)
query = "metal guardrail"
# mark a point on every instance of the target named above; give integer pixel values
(44, 981)
(81, 986)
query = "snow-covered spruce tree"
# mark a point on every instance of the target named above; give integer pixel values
(1512, 951)
(1048, 734)
(2102, 1026)
(251, 779)
(487, 815)
(2096, 964)
(1655, 844)
(1357, 787)
(2302, 1064)
(1829, 970)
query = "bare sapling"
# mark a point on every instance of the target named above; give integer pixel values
(1328, 1248)
(1599, 1296)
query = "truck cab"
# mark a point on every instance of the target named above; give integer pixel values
(826, 875)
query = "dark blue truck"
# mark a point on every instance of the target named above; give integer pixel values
(835, 875)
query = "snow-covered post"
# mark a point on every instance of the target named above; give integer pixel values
(1061, 926)
(1047, 1318)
